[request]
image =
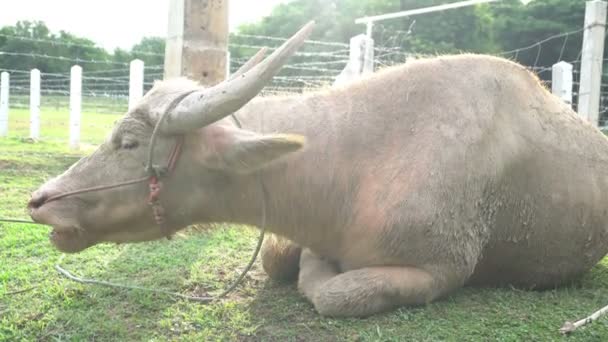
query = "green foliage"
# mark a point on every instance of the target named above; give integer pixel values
(519, 26)
(465, 29)
(468, 28)
(490, 28)
(34, 38)
(27, 39)
(151, 50)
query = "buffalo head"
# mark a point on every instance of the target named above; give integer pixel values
(215, 154)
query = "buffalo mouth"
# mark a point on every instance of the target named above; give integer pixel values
(69, 239)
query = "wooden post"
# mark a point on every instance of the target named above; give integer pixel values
(561, 82)
(197, 41)
(4, 93)
(75, 105)
(136, 82)
(35, 104)
(361, 59)
(591, 61)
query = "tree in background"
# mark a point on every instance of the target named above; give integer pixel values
(463, 29)
(517, 25)
(27, 41)
(150, 49)
(490, 28)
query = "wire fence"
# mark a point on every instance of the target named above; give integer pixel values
(107, 91)
(536, 53)
(315, 66)
(538, 57)
(102, 92)
(106, 84)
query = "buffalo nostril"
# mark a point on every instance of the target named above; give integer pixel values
(37, 200)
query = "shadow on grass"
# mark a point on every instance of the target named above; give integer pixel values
(469, 314)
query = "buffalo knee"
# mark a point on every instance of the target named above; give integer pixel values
(280, 258)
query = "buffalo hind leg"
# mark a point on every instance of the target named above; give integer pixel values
(363, 292)
(280, 258)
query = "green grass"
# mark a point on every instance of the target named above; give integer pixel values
(54, 125)
(198, 262)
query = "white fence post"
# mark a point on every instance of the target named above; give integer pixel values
(35, 104)
(4, 86)
(75, 105)
(361, 59)
(591, 61)
(136, 82)
(561, 82)
(368, 56)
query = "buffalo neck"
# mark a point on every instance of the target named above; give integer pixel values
(302, 188)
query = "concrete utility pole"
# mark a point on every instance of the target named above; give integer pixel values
(197, 41)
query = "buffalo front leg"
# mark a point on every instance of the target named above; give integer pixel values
(280, 258)
(365, 291)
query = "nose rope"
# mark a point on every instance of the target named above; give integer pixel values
(170, 167)
(154, 172)
(94, 189)
(155, 186)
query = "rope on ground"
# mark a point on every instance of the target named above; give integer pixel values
(204, 299)
(19, 291)
(208, 299)
(68, 275)
(20, 221)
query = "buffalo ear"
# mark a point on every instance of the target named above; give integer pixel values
(246, 151)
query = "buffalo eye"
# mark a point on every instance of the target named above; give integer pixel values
(129, 144)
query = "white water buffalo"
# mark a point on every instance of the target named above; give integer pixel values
(394, 190)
